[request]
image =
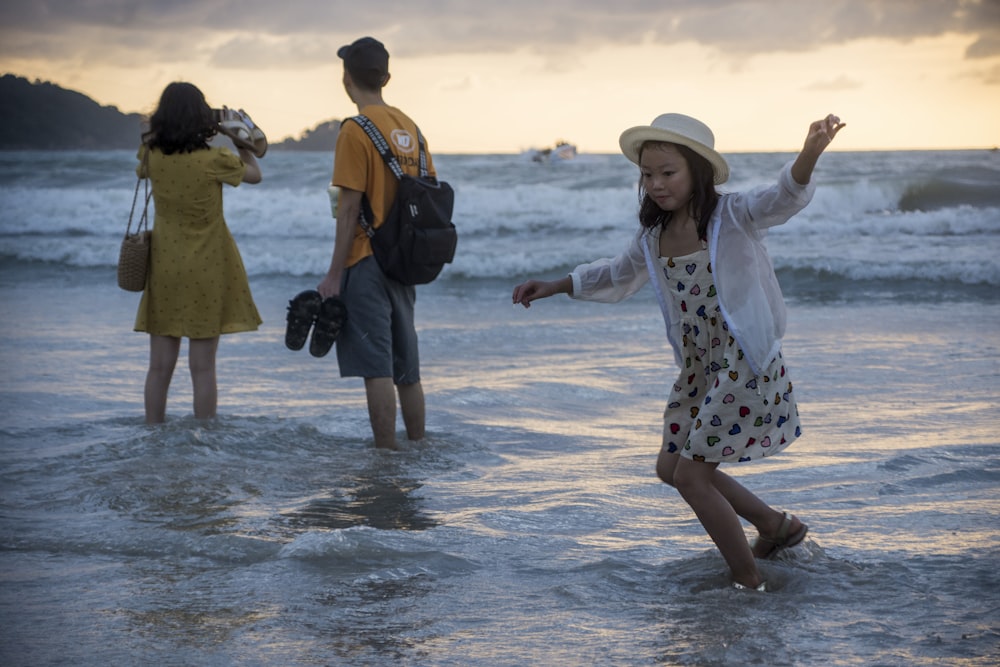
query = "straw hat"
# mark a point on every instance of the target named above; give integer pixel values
(676, 128)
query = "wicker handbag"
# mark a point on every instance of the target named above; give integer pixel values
(133, 258)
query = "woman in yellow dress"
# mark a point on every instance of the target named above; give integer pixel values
(197, 287)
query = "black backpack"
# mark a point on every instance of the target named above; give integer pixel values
(417, 238)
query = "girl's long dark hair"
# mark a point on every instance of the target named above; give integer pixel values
(704, 198)
(183, 122)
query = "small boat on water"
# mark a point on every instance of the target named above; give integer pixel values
(563, 150)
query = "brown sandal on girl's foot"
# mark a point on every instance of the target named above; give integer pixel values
(781, 540)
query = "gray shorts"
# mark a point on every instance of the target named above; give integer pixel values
(379, 339)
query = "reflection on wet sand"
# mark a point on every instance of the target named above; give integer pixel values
(382, 503)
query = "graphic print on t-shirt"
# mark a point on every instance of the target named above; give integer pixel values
(403, 140)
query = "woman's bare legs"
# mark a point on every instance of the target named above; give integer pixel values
(163, 351)
(201, 361)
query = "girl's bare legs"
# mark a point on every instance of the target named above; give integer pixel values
(694, 481)
(744, 503)
(201, 360)
(764, 518)
(163, 351)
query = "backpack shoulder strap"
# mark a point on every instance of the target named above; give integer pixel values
(423, 154)
(381, 145)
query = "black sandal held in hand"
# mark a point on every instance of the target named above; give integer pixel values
(329, 321)
(302, 312)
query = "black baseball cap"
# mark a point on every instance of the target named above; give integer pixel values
(365, 55)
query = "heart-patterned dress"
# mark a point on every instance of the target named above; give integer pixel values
(718, 409)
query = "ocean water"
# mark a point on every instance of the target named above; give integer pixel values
(529, 528)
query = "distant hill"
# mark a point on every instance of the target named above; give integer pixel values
(44, 116)
(322, 138)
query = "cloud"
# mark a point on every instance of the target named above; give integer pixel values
(267, 52)
(839, 84)
(991, 77)
(761, 26)
(986, 46)
(263, 33)
(459, 85)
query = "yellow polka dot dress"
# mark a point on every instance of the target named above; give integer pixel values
(197, 286)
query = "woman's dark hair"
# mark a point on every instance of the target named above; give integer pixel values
(703, 195)
(183, 122)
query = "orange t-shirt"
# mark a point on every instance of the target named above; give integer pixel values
(358, 166)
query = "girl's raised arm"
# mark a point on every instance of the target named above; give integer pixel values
(821, 133)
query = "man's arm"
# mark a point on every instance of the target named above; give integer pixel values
(348, 212)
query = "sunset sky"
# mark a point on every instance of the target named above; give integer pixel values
(486, 76)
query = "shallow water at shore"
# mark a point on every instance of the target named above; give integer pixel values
(528, 529)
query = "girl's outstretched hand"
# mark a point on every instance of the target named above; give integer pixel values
(821, 133)
(530, 290)
(527, 292)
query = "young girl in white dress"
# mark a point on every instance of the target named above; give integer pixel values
(703, 253)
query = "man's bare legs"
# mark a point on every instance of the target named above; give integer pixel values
(411, 401)
(381, 395)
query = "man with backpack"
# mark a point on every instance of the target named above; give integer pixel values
(378, 341)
